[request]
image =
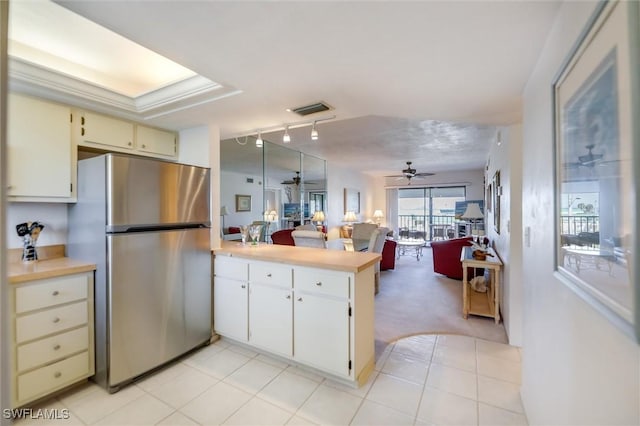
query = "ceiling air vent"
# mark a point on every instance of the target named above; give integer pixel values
(311, 109)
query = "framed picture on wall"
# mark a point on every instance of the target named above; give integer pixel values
(596, 105)
(351, 200)
(243, 203)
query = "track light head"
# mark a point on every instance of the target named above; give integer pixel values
(259, 141)
(314, 132)
(286, 138)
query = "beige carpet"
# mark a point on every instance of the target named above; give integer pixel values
(415, 300)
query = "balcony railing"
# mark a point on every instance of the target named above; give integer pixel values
(419, 226)
(574, 225)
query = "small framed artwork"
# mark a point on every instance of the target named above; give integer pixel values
(243, 203)
(488, 200)
(597, 140)
(351, 200)
(497, 192)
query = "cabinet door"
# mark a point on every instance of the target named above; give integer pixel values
(99, 129)
(230, 309)
(270, 319)
(39, 149)
(155, 141)
(321, 334)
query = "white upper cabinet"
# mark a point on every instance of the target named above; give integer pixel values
(113, 134)
(103, 130)
(155, 141)
(40, 156)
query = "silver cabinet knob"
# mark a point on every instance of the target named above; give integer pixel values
(56, 347)
(299, 299)
(56, 320)
(269, 275)
(55, 293)
(288, 296)
(319, 283)
(57, 374)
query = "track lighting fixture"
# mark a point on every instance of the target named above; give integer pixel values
(259, 141)
(314, 132)
(286, 138)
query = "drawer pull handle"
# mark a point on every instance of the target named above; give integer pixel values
(57, 374)
(55, 293)
(319, 283)
(56, 320)
(299, 299)
(288, 296)
(56, 347)
(269, 275)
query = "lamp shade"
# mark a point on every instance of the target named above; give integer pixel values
(270, 215)
(350, 217)
(473, 212)
(378, 214)
(223, 211)
(318, 216)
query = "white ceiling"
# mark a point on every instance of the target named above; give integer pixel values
(426, 81)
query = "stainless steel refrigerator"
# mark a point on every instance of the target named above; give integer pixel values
(145, 224)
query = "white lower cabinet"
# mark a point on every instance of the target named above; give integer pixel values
(230, 298)
(299, 313)
(322, 333)
(52, 335)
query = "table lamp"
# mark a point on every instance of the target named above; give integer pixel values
(472, 213)
(349, 217)
(223, 213)
(318, 217)
(377, 216)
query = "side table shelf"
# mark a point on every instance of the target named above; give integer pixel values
(476, 303)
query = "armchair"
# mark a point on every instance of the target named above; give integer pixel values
(446, 256)
(309, 239)
(376, 245)
(283, 237)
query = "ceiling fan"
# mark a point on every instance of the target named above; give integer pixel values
(293, 181)
(587, 160)
(411, 173)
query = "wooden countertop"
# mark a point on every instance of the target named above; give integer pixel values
(338, 260)
(20, 272)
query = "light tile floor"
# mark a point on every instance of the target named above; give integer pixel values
(420, 380)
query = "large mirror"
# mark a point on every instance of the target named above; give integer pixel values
(287, 188)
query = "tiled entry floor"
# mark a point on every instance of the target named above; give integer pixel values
(421, 380)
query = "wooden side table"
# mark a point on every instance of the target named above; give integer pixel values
(476, 303)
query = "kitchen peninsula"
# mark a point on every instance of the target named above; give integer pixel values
(313, 307)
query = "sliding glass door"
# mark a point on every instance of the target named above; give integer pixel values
(428, 213)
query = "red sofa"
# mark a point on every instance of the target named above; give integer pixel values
(283, 237)
(446, 257)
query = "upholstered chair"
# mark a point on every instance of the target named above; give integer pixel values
(363, 231)
(376, 244)
(309, 239)
(283, 237)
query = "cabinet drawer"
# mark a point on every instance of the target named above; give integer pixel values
(228, 267)
(54, 320)
(54, 376)
(270, 273)
(55, 347)
(320, 281)
(50, 292)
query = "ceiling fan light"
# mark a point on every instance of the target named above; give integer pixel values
(286, 138)
(314, 132)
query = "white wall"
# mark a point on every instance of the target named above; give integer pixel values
(507, 158)
(52, 215)
(578, 368)
(236, 183)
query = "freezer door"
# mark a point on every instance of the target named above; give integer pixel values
(159, 286)
(145, 192)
